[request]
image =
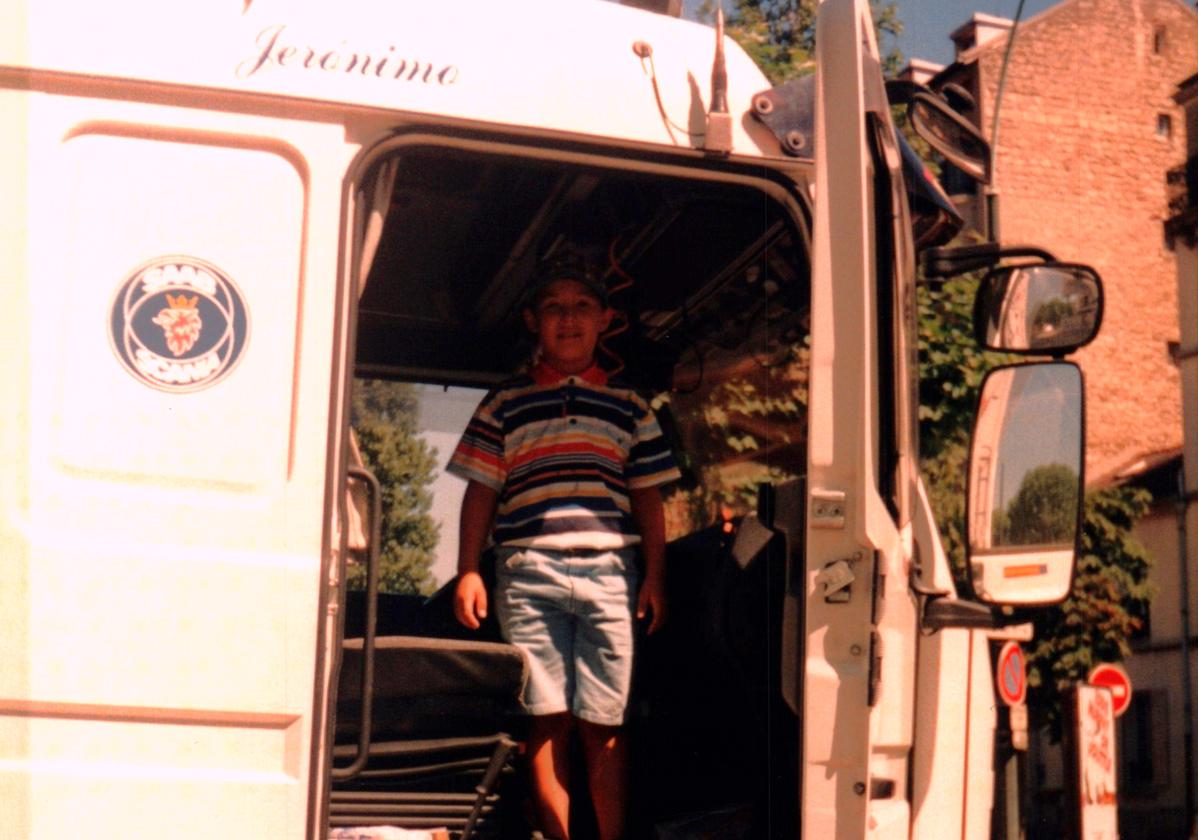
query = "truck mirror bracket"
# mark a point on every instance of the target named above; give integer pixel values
(788, 110)
(944, 263)
(937, 611)
(942, 613)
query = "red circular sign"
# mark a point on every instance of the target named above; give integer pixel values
(1112, 676)
(1010, 674)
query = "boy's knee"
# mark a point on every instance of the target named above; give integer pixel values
(599, 733)
(553, 723)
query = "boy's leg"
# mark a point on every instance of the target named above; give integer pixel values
(605, 598)
(532, 598)
(549, 768)
(605, 750)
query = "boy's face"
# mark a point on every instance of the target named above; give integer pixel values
(567, 320)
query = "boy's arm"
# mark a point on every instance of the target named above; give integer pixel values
(478, 511)
(649, 516)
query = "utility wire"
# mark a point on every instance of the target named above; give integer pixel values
(992, 187)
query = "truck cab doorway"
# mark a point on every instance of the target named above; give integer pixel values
(710, 272)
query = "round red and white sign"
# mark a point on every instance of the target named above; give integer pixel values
(1112, 676)
(1010, 674)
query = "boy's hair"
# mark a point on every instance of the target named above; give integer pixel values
(567, 266)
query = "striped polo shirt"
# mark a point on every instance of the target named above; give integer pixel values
(563, 452)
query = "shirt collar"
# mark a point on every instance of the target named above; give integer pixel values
(543, 375)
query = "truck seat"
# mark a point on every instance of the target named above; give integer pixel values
(430, 686)
(442, 711)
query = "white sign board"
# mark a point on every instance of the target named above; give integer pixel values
(1097, 784)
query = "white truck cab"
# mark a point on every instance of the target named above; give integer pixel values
(217, 218)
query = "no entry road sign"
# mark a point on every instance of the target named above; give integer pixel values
(1112, 676)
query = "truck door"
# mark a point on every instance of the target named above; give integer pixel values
(857, 684)
(163, 498)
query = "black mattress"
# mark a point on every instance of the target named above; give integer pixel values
(416, 667)
(431, 687)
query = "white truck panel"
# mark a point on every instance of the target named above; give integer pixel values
(412, 56)
(840, 728)
(132, 515)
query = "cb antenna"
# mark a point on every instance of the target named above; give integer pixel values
(719, 121)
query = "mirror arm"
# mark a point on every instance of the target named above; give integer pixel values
(942, 613)
(950, 262)
(915, 581)
(937, 611)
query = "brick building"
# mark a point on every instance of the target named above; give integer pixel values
(1088, 127)
(1091, 122)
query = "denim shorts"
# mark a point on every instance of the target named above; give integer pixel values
(571, 612)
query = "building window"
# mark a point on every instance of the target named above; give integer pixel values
(1158, 40)
(1164, 126)
(1143, 752)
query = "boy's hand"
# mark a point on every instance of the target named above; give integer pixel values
(652, 602)
(470, 600)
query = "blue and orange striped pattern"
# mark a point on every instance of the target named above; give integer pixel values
(563, 452)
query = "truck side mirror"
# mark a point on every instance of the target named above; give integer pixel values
(1049, 307)
(935, 118)
(1026, 461)
(951, 134)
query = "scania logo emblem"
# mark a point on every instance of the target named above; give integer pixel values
(178, 324)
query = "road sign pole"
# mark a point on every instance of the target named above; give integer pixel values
(1090, 764)
(1010, 684)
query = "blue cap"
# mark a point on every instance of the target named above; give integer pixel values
(567, 266)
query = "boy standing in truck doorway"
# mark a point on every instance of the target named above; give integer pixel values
(564, 471)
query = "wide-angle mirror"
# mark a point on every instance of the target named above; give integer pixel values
(1023, 507)
(1044, 308)
(951, 135)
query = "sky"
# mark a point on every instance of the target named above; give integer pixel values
(444, 413)
(926, 23)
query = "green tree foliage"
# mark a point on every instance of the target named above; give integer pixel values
(951, 370)
(742, 425)
(1108, 604)
(779, 35)
(1052, 314)
(1043, 510)
(385, 419)
(1111, 592)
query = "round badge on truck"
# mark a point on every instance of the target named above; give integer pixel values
(178, 324)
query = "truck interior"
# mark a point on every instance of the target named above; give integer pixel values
(709, 270)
